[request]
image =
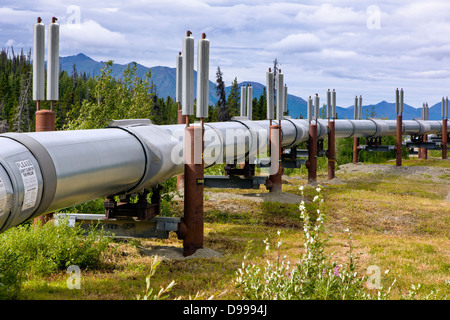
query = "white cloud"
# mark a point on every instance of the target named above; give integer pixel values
(300, 42)
(327, 15)
(320, 44)
(90, 34)
(10, 43)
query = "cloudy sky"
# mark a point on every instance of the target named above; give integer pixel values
(357, 47)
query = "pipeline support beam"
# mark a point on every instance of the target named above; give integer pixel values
(274, 183)
(331, 152)
(444, 138)
(398, 145)
(311, 164)
(192, 223)
(355, 150)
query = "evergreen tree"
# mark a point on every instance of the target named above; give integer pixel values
(223, 113)
(260, 106)
(22, 121)
(234, 99)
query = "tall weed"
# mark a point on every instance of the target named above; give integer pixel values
(314, 276)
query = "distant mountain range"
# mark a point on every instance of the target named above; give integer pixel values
(164, 80)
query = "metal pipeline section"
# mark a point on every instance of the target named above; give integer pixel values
(43, 172)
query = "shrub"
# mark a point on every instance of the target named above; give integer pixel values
(314, 276)
(40, 250)
(10, 277)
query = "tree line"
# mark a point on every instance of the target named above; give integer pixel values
(87, 102)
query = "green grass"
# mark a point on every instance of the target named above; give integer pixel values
(399, 225)
(431, 162)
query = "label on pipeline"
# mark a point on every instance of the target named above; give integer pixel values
(30, 183)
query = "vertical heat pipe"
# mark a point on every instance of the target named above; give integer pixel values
(181, 119)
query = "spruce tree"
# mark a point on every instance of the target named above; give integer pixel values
(234, 98)
(223, 113)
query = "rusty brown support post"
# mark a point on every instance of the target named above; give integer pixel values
(311, 164)
(331, 150)
(45, 121)
(444, 138)
(274, 183)
(191, 229)
(355, 150)
(419, 153)
(398, 144)
(425, 150)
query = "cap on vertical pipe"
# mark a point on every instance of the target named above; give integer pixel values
(39, 60)
(280, 95)
(334, 104)
(187, 100)
(270, 94)
(202, 77)
(250, 102)
(179, 77)
(243, 100)
(53, 61)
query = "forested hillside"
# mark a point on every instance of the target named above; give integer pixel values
(16, 107)
(91, 102)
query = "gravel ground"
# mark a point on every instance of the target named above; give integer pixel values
(256, 197)
(435, 173)
(167, 253)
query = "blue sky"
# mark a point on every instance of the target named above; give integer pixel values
(366, 48)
